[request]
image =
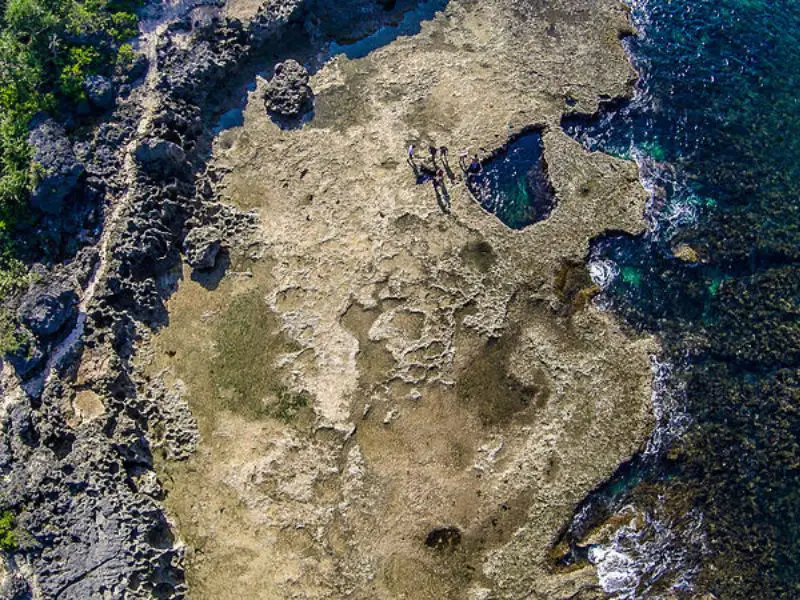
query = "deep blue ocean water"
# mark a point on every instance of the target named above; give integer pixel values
(715, 128)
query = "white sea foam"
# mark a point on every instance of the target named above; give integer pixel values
(653, 546)
(669, 408)
(603, 272)
(650, 549)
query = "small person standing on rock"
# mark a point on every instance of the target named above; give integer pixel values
(411, 161)
(462, 160)
(432, 150)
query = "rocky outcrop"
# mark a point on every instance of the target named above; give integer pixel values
(77, 457)
(288, 94)
(201, 247)
(46, 311)
(100, 91)
(160, 157)
(57, 171)
(87, 533)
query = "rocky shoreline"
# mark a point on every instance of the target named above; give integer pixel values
(81, 419)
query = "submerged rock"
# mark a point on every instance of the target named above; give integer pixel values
(288, 94)
(57, 171)
(201, 247)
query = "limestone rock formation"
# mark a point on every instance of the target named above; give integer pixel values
(363, 301)
(57, 169)
(100, 91)
(160, 157)
(288, 94)
(46, 311)
(201, 247)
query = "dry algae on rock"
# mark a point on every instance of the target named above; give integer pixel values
(390, 374)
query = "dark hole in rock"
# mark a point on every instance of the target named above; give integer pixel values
(61, 445)
(442, 538)
(513, 184)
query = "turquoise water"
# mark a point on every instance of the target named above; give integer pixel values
(513, 184)
(716, 130)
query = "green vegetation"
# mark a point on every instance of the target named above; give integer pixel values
(288, 404)
(47, 48)
(250, 343)
(8, 539)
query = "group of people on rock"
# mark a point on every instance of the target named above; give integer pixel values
(437, 166)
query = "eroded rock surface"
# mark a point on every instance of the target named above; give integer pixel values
(201, 246)
(288, 94)
(369, 370)
(57, 169)
(377, 369)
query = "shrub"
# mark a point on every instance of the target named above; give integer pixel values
(8, 540)
(47, 48)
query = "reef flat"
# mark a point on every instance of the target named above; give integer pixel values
(373, 368)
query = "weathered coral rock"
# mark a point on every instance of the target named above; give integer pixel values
(46, 311)
(288, 94)
(100, 91)
(160, 157)
(57, 169)
(201, 247)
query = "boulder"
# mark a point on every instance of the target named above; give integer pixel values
(46, 311)
(288, 94)
(201, 247)
(138, 68)
(25, 359)
(99, 91)
(160, 157)
(57, 171)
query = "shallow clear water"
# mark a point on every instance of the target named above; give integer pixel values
(513, 184)
(404, 19)
(715, 128)
(410, 24)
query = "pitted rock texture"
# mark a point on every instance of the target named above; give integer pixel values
(366, 365)
(288, 94)
(46, 311)
(201, 246)
(377, 365)
(160, 157)
(100, 91)
(57, 169)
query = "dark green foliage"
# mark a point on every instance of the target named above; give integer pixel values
(8, 541)
(47, 48)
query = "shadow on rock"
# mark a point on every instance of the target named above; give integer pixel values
(211, 278)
